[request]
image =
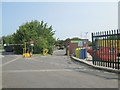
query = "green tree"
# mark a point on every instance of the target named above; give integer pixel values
(39, 32)
(8, 39)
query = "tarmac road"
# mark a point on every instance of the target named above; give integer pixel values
(53, 71)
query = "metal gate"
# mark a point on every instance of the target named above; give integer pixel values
(106, 48)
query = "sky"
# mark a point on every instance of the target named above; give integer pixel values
(69, 19)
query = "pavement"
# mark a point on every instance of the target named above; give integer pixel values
(88, 61)
(53, 71)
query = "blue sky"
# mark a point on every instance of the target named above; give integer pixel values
(68, 19)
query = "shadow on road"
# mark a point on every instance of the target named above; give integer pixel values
(101, 73)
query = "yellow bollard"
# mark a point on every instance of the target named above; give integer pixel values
(68, 53)
(77, 51)
(45, 51)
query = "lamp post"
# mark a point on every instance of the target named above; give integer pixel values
(32, 47)
(6, 44)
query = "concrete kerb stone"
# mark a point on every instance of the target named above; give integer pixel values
(94, 66)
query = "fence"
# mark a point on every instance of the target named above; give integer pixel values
(106, 48)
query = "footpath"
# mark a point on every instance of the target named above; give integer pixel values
(88, 61)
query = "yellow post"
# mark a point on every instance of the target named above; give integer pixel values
(25, 47)
(24, 50)
(45, 51)
(68, 53)
(77, 52)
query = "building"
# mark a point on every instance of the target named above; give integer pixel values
(76, 43)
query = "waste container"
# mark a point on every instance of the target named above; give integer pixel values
(82, 53)
(77, 51)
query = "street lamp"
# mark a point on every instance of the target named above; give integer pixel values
(6, 44)
(32, 47)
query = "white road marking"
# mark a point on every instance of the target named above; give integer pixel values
(47, 70)
(10, 61)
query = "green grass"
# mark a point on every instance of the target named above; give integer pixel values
(37, 55)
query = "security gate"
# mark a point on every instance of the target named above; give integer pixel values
(106, 48)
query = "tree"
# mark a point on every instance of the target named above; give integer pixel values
(39, 32)
(8, 39)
